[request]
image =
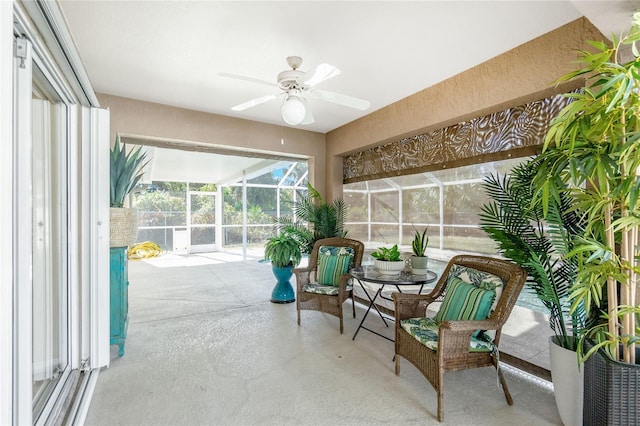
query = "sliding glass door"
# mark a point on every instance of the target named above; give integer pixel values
(49, 240)
(55, 270)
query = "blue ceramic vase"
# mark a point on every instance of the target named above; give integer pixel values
(283, 291)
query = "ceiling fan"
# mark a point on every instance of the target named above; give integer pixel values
(295, 84)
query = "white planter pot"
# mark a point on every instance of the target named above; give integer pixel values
(419, 265)
(568, 384)
(386, 267)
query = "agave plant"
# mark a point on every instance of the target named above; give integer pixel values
(126, 171)
(315, 219)
(539, 246)
(420, 243)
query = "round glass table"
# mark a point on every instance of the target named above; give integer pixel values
(369, 273)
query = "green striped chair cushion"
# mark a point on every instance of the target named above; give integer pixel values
(425, 330)
(330, 290)
(479, 279)
(332, 263)
(464, 301)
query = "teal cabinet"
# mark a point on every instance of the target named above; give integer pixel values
(119, 297)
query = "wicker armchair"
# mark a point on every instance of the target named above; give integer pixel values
(452, 339)
(326, 298)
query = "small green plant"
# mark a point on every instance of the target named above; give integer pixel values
(126, 171)
(389, 254)
(420, 243)
(282, 250)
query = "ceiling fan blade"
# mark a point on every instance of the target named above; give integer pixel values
(251, 79)
(345, 100)
(308, 116)
(253, 102)
(319, 74)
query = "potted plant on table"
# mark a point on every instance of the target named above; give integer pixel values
(284, 253)
(592, 153)
(126, 170)
(541, 246)
(388, 260)
(419, 259)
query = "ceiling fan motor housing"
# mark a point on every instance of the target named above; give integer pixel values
(290, 79)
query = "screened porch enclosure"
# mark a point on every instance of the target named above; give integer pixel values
(237, 216)
(389, 211)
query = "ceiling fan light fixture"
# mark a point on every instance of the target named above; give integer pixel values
(293, 110)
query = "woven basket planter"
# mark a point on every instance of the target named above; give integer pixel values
(611, 391)
(123, 226)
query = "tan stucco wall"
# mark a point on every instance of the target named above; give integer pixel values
(521, 75)
(140, 119)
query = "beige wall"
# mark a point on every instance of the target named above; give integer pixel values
(146, 120)
(521, 75)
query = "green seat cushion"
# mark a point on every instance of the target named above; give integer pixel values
(316, 288)
(425, 330)
(332, 263)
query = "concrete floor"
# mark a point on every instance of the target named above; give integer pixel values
(206, 347)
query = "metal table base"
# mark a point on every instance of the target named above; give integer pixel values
(370, 274)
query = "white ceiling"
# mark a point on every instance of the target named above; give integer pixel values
(172, 52)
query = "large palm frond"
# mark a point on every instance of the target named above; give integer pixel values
(314, 219)
(537, 245)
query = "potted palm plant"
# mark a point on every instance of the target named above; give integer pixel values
(419, 260)
(126, 170)
(284, 253)
(314, 219)
(388, 260)
(592, 153)
(541, 246)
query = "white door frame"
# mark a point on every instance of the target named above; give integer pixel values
(43, 24)
(6, 219)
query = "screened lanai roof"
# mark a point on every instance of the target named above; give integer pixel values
(176, 165)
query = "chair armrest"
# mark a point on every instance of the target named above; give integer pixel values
(342, 285)
(302, 276)
(307, 269)
(454, 337)
(409, 305)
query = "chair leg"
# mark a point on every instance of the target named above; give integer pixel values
(496, 363)
(505, 388)
(440, 392)
(397, 365)
(440, 407)
(298, 316)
